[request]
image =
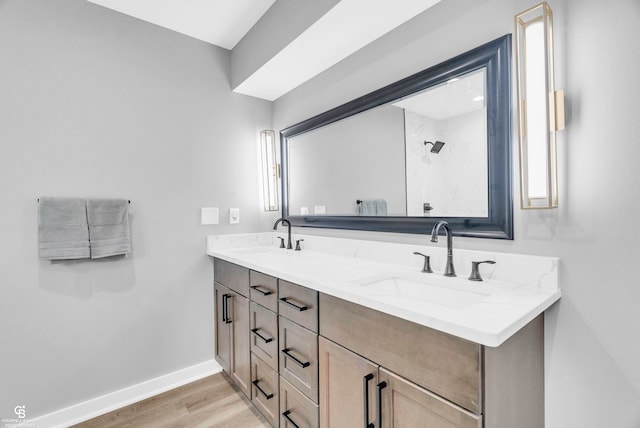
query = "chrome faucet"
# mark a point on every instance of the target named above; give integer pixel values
(449, 270)
(288, 223)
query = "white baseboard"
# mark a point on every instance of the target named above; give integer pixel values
(98, 406)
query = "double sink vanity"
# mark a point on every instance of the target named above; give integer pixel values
(350, 333)
(346, 333)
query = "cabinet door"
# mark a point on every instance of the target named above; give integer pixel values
(223, 337)
(406, 405)
(347, 387)
(240, 367)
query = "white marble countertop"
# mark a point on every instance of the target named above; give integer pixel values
(386, 277)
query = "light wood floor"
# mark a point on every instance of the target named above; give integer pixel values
(207, 403)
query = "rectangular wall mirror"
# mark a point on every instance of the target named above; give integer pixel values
(435, 145)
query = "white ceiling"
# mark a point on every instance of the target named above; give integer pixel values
(219, 22)
(347, 27)
(344, 29)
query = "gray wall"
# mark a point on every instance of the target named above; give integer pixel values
(95, 103)
(361, 157)
(592, 347)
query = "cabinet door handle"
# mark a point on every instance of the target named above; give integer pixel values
(365, 392)
(294, 359)
(299, 308)
(226, 305)
(265, 339)
(267, 396)
(288, 418)
(264, 293)
(224, 308)
(382, 385)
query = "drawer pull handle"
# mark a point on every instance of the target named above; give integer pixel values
(382, 385)
(264, 293)
(267, 396)
(264, 339)
(300, 308)
(295, 360)
(286, 416)
(226, 306)
(365, 393)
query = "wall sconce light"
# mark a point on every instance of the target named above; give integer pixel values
(270, 170)
(540, 107)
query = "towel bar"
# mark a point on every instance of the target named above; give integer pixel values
(128, 200)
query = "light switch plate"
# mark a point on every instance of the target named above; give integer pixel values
(319, 210)
(234, 215)
(209, 215)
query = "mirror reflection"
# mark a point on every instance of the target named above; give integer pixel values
(422, 155)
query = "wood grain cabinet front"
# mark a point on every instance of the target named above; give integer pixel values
(444, 364)
(356, 392)
(263, 289)
(299, 304)
(232, 276)
(403, 404)
(299, 357)
(264, 334)
(232, 336)
(347, 387)
(265, 390)
(296, 410)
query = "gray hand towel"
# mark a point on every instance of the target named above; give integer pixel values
(373, 207)
(108, 227)
(63, 233)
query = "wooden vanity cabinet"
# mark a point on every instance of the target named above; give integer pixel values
(231, 288)
(401, 403)
(345, 380)
(353, 388)
(307, 359)
(425, 377)
(232, 336)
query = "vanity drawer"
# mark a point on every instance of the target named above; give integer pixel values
(296, 409)
(299, 304)
(264, 334)
(264, 290)
(441, 363)
(299, 357)
(232, 276)
(265, 394)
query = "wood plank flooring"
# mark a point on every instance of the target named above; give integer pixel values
(207, 403)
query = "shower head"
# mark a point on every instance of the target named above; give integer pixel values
(437, 146)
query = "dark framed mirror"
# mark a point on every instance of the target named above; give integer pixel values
(433, 146)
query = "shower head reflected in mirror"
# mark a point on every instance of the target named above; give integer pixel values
(437, 146)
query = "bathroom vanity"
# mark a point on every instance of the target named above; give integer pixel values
(350, 333)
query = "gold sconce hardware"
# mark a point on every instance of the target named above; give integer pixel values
(270, 170)
(541, 108)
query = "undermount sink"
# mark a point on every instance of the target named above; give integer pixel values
(418, 292)
(252, 250)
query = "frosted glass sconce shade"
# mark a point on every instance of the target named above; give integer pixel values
(540, 108)
(270, 170)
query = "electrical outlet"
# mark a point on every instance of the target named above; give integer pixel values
(234, 215)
